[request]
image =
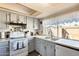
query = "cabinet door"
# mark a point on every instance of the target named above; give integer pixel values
(36, 24)
(64, 51)
(50, 49)
(43, 47)
(29, 23)
(4, 51)
(13, 17)
(31, 45)
(4, 48)
(22, 19)
(37, 44)
(2, 20)
(8, 17)
(40, 46)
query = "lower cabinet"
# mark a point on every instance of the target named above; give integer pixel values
(45, 48)
(64, 51)
(50, 49)
(31, 45)
(38, 45)
(4, 49)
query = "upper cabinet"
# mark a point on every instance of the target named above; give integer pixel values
(36, 23)
(3, 20)
(30, 23)
(13, 18)
(2, 17)
(22, 19)
(9, 18)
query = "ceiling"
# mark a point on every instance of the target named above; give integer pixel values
(39, 10)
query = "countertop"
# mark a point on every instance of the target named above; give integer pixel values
(7, 39)
(73, 44)
(47, 38)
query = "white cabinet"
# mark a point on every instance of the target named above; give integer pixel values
(64, 51)
(31, 46)
(40, 46)
(32, 23)
(50, 49)
(4, 48)
(2, 20)
(22, 19)
(37, 44)
(29, 23)
(8, 17)
(44, 47)
(13, 17)
(36, 23)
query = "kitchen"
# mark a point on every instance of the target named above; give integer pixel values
(37, 29)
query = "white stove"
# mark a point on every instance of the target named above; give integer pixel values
(18, 44)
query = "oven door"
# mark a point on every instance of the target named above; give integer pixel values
(18, 46)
